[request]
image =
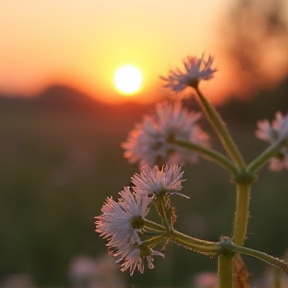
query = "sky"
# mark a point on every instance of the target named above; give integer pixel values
(81, 43)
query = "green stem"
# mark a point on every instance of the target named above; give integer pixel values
(151, 242)
(154, 226)
(277, 278)
(208, 154)
(163, 212)
(195, 244)
(220, 128)
(242, 213)
(257, 163)
(262, 256)
(198, 245)
(225, 271)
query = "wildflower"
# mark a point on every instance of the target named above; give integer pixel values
(196, 69)
(120, 221)
(274, 132)
(82, 268)
(206, 280)
(85, 271)
(154, 181)
(151, 142)
(132, 257)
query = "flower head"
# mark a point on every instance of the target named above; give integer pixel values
(196, 69)
(120, 221)
(155, 181)
(274, 132)
(151, 142)
(132, 257)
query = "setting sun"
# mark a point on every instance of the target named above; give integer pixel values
(128, 79)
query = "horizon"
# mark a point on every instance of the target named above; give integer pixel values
(61, 91)
(84, 45)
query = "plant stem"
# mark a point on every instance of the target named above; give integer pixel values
(257, 163)
(163, 213)
(262, 256)
(151, 242)
(154, 226)
(228, 247)
(225, 271)
(242, 213)
(208, 154)
(220, 128)
(277, 278)
(201, 246)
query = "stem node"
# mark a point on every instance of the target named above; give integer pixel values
(244, 177)
(227, 246)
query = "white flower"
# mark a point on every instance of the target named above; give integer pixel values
(151, 144)
(82, 267)
(280, 162)
(118, 221)
(154, 181)
(196, 69)
(134, 257)
(276, 131)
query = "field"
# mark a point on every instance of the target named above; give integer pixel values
(60, 161)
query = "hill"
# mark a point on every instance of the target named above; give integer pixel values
(64, 99)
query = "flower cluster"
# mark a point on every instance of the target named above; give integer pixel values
(155, 181)
(274, 132)
(122, 223)
(134, 257)
(151, 142)
(119, 223)
(196, 69)
(170, 138)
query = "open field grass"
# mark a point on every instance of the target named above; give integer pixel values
(58, 166)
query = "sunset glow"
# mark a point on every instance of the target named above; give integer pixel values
(82, 43)
(128, 80)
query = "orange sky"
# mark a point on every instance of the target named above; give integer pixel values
(82, 42)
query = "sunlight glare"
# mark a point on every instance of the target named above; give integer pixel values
(128, 79)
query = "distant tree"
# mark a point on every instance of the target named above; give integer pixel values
(256, 41)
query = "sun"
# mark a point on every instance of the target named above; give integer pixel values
(128, 79)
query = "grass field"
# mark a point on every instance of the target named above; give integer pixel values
(58, 166)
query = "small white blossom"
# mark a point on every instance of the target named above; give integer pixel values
(276, 131)
(116, 221)
(120, 223)
(151, 142)
(134, 257)
(280, 162)
(196, 69)
(155, 181)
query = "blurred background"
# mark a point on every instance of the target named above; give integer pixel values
(62, 122)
